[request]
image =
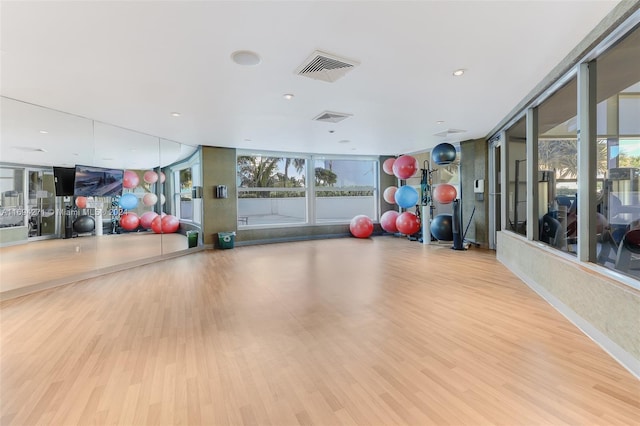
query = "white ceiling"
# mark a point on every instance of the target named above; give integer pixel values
(133, 63)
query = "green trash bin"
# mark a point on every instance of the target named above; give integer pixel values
(192, 238)
(226, 240)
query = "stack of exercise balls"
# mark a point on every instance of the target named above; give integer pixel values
(442, 225)
(130, 221)
(403, 167)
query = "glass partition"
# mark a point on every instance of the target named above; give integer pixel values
(79, 197)
(516, 137)
(618, 162)
(558, 169)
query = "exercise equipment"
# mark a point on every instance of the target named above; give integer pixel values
(129, 221)
(405, 167)
(361, 226)
(441, 227)
(150, 176)
(443, 154)
(389, 194)
(406, 197)
(388, 221)
(147, 218)
(81, 202)
(128, 201)
(166, 224)
(455, 226)
(84, 224)
(163, 177)
(387, 166)
(130, 179)
(408, 223)
(149, 199)
(445, 193)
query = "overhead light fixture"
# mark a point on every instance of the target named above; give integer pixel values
(245, 57)
(247, 140)
(439, 122)
(344, 141)
(175, 114)
(288, 96)
(44, 132)
(459, 72)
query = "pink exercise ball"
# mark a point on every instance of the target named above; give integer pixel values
(389, 194)
(130, 179)
(408, 223)
(445, 193)
(387, 166)
(167, 224)
(149, 199)
(147, 218)
(163, 177)
(405, 167)
(361, 226)
(388, 221)
(150, 176)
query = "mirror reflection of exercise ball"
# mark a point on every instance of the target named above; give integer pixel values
(130, 179)
(84, 224)
(128, 201)
(443, 154)
(441, 227)
(445, 193)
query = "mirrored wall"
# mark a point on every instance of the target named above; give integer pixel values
(80, 197)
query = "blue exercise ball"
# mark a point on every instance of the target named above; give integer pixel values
(441, 227)
(406, 197)
(443, 154)
(84, 224)
(128, 201)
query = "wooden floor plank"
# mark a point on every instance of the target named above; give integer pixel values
(346, 331)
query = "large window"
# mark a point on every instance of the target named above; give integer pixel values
(558, 169)
(272, 190)
(344, 189)
(285, 189)
(618, 161)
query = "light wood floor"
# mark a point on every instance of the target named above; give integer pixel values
(372, 332)
(41, 261)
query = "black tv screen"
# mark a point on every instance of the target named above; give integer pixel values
(97, 182)
(64, 177)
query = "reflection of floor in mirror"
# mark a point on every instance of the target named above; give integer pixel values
(50, 260)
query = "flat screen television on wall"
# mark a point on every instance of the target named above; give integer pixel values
(97, 181)
(64, 178)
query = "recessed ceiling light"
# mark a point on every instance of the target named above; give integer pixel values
(247, 140)
(245, 57)
(288, 96)
(108, 159)
(175, 114)
(439, 122)
(344, 141)
(76, 154)
(44, 132)
(459, 72)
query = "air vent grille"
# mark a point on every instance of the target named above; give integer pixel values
(332, 117)
(325, 67)
(449, 132)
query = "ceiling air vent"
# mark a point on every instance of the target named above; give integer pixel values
(332, 117)
(323, 66)
(449, 132)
